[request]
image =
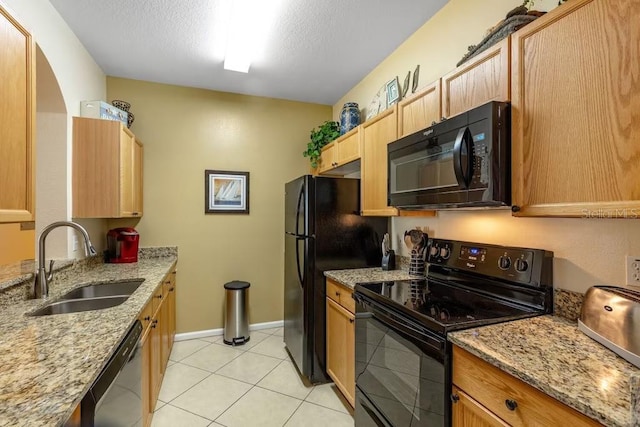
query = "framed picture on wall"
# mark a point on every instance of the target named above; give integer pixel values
(226, 192)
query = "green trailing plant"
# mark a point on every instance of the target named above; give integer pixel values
(324, 134)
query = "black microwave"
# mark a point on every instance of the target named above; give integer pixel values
(464, 161)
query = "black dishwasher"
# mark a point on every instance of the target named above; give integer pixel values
(115, 398)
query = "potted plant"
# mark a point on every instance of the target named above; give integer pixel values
(324, 134)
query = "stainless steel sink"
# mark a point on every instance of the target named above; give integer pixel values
(103, 290)
(78, 305)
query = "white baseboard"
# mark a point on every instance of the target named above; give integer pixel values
(215, 332)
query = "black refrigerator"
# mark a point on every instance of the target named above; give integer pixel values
(323, 231)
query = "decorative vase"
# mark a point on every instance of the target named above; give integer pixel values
(349, 117)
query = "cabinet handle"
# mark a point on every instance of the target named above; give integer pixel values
(168, 282)
(147, 318)
(337, 294)
(171, 289)
(159, 296)
(135, 213)
(511, 404)
(515, 208)
(351, 320)
(455, 398)
(154, 323)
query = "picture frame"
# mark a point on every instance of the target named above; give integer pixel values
(226, 192)
(393, 91)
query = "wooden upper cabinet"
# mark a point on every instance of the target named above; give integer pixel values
(420, 110)
(17, 107)
(482, 79)
(377, 133)
(328, 157)
(342, 151)
(107, 170)
(575, 106)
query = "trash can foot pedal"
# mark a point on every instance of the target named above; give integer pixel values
(237, 341)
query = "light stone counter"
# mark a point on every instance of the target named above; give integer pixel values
(349, 278)
(48, 363)
(552, 355)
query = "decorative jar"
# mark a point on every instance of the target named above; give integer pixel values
(349, 117)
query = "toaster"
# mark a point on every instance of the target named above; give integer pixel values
(611, 316)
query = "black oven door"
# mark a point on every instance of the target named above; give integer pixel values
(402, 370)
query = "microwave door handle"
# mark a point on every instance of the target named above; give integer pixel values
(463, 141)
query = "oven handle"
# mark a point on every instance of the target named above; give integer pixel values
(464, 137)
(403, 326)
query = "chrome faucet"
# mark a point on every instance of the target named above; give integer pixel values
(41, 285)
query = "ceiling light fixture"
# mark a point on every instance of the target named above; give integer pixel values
(248, 25)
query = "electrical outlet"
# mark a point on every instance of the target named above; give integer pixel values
(633, 270)
(74, 243)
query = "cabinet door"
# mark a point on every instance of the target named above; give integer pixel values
(341, 349)
(420, 111)
(348, 147)
(482, 79)
(96, 168)
(575, 112)
(138, 156)
(156, 359)
(328, 158)
(17, 100)
(376, 135)
(171, 300)
(466, 412)
(147, 403)
(130, 175)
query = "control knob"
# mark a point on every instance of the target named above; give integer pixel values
(504, 262)
(445, 253)
(433, 251)
(521, 265)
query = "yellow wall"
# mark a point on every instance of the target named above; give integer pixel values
(587, 251)
(186, 131)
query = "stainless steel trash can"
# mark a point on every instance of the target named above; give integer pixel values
(236, 319)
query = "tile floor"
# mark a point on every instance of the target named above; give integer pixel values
(209, 383)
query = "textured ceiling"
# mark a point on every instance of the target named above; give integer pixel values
(316, 51)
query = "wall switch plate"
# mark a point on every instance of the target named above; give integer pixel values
(633, 270)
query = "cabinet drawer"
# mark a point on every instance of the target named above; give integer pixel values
(341, 294)
(498, 391)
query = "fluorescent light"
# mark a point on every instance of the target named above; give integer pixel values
(248, 25)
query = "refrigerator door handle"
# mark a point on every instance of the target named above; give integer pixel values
(300, 195)
(300, 276)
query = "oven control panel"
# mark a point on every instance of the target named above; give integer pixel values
(531, 267)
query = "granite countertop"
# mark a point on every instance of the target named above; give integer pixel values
(48, 363)
(349, 278)
(553, 355)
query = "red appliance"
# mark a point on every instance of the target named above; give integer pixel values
(122, 245)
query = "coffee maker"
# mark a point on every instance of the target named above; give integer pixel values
(122, 245)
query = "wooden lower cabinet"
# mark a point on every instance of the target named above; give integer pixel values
(469, 413)
(341, 345)
(484, 395)
(157, 343)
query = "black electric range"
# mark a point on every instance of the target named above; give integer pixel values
(403, 359)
